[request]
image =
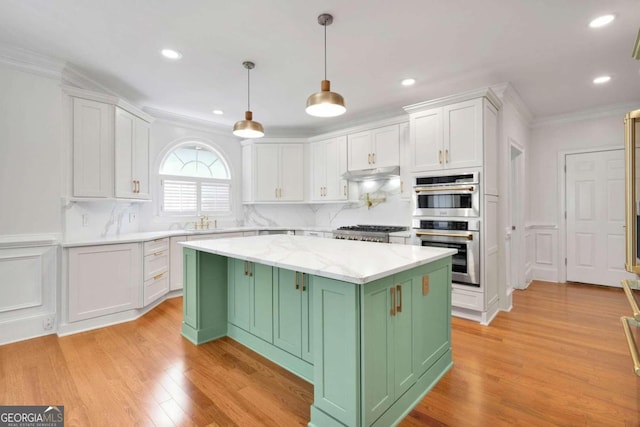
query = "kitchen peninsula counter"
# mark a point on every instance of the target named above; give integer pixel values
(369, 324)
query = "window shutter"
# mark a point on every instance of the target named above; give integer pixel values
(215, 197)
(180, 197)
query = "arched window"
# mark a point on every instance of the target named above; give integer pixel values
(195, 180)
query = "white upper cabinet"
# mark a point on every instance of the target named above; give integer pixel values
(374, 148)
(406, 185)
(110, 147)
(448, 137)
(92, 149)
(132, 156)
(273, 172)
(328, 163)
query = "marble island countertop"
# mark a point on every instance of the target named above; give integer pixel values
(152, 235)
(350, 261)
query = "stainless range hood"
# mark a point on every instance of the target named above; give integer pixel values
(372, 174)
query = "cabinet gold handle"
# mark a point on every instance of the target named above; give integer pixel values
(373, 157)
(157, 253)
(633, 349)
(345, 189)
(297, 285)
(459, 236)
(304, 288)
(393, 301)
(446, 156)
(134, 185)
(250, 265)
(402, 186)
(157, 276)
(245, 268)
(399, 292)
(369, 158)
(440, 156)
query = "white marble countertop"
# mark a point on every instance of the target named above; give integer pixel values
(152, 235)
(350, 261)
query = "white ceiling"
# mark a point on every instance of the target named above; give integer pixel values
(544, 48)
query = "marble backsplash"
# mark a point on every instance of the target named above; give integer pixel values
(102, 219)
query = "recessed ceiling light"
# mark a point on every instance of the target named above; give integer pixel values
(171, 54)
(601, 21)
(601, 79)
(408, 82)
(218, 112)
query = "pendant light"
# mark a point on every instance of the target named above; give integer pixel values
(325, 103)
(248, 128)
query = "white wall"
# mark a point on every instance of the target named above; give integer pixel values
(545, 222)
(165, 135)
(30, 153)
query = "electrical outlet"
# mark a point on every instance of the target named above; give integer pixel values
(47, 323)
(132, 217)
(85, 220)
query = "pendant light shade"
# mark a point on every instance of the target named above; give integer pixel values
(325, 103)
(248, 128)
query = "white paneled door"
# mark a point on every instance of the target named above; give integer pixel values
(595, 217)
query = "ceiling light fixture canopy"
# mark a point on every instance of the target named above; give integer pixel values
(325, 103)
(248, 128)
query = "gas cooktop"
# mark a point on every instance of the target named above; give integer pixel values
(367, 233)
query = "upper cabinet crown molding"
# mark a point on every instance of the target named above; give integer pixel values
(454, 99)
(396, 120)
(273, 141)
(31, 62)
(107, 99)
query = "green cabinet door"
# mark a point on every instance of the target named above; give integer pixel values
(403, 332)
(292, 313)
(287, 310)
(432, 316)
(307, 319)
(239, 302)
(261, 298)
(378, 383)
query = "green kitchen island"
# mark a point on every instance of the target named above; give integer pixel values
(368, 324)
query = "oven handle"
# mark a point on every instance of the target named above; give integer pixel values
(424, 233)
(427, 189)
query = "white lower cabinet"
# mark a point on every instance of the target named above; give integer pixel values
(104, 279)
(156, 270)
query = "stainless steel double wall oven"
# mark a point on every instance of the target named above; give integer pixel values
(447, 214)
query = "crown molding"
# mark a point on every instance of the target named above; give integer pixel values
(452, 99)
(590, 114)
(31, 62)
(362, 127)
(508, 93)
(175, 119)
(72, 77)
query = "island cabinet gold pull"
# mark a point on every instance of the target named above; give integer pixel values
(245, 268)
(297, 284)
(460, 236)
(393, 301)
(399, 292)
(250, 268)
(304, 288)
(440, 156)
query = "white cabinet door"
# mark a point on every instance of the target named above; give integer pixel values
(359, 151)
(405, 162)
(92, 148)
(318, 161)
(328, 163)
(426, 151)
(291, 162)
(463, 134)
(132, 156)
(104, 280)
(385, 146)
(336, 165)
(266, 169)
(176, 269)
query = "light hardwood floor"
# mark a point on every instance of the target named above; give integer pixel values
(558, 358)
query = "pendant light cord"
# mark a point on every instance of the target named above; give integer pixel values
(248, 89)
(325, 50)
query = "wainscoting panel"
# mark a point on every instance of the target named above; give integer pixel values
(28, 279)
(542, 252)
